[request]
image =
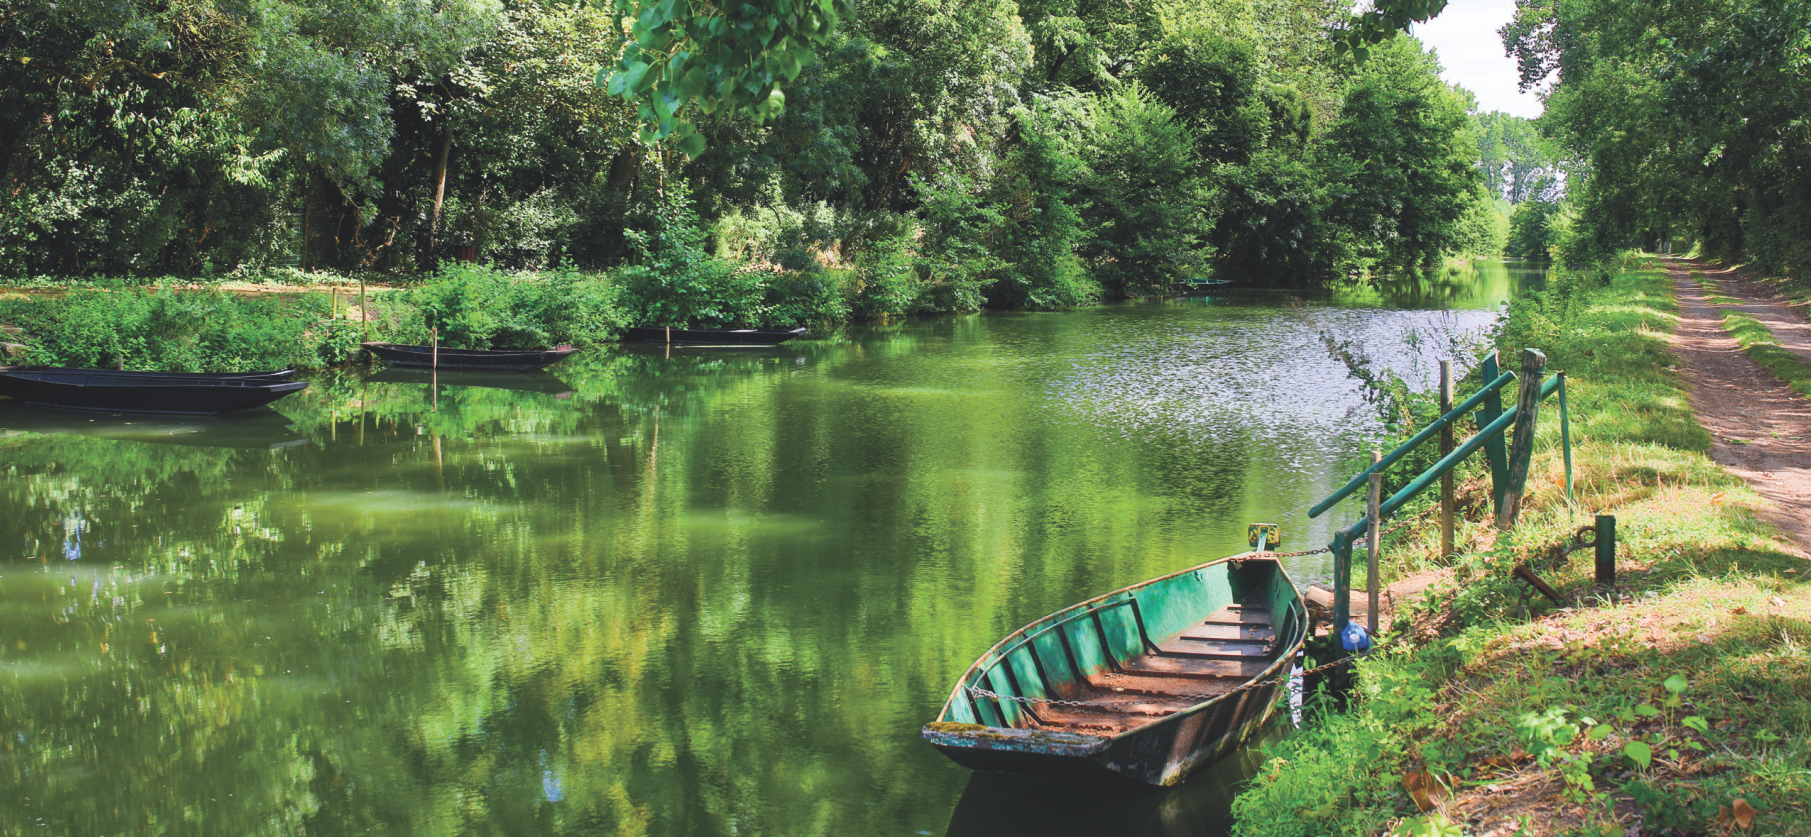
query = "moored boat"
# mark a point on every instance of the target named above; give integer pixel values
(115, 393)
(1145, 683)
(273, 375)
(501, 360)
(710, 336)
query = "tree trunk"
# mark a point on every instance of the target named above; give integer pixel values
(446, 150)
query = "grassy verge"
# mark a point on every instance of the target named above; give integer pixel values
(1764, 349)
(1680, 697)
(1712, 293)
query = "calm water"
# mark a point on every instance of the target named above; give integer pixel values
(696, 593)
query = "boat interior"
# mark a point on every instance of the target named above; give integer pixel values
(1209, 659)
(1137, 656)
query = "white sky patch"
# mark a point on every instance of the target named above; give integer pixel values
(1464, 36)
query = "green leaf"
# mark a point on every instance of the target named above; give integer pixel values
(692, 145)
(1676, 684)
(1646, 710)
(1698, 723)
(1600, 732)
(636, 80)
(1641, 754)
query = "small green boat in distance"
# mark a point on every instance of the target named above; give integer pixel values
(1144, 684)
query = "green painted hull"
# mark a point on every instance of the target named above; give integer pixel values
(1124, 661)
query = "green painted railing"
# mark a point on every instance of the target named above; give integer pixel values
(1493, 421)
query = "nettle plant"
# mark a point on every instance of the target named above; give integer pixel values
(1642, 737)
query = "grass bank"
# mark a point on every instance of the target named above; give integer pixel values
(1678, 703)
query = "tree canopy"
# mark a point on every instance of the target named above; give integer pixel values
(906, 156)
(1686, 119)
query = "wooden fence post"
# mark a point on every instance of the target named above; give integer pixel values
(1528, 403)
(1446, 447)
(1494, 450)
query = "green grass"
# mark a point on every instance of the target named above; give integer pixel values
(1548, 710)
(1712, 292)
(1764, 349)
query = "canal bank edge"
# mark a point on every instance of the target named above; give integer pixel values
(1678, 701)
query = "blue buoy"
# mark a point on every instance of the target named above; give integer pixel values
(1354, 638)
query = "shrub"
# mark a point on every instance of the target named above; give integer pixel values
(189, 331)
(478, 307)
(676, 282)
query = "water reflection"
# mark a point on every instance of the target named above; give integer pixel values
(253, 429)
(1004, 805)
(539, 381)
(685, 593)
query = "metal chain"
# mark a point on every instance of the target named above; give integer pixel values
(1399, 524)
(977, 691)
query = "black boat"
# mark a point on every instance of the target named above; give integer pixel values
(274, 375)
(501, 360)
(112, 392)
(710, 336)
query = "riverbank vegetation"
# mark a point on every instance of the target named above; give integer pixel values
(209, 328)
(927, 158)
(1677, 700)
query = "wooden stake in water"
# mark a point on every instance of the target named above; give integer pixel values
(1446, 447)
(363, 312)
(1371, 544)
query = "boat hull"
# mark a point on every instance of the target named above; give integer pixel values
(1108, 639)
(275, 375)
(109, 393)
(498, 360)
(710, 336)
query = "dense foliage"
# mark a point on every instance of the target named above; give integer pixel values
(1687, 118)
(929, 155)
(208, 329)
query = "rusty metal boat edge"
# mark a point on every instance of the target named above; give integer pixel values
(1162, 752)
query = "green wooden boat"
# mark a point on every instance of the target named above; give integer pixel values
(1145, 684)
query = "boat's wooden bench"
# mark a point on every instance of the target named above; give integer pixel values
(1212, 657)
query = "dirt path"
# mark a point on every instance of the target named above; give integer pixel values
(1761, 429)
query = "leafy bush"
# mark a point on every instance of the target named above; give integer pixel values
(189, 331)
(479, 307)
(885, 281)
(675, 282)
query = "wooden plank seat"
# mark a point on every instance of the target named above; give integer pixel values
(1208, 659)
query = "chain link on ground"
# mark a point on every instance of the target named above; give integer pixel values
(977, 691)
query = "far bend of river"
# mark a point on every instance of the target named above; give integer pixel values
(710, 593)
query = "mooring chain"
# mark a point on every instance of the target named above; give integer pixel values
(1328, 549)
(1399, 525)
(977, 691)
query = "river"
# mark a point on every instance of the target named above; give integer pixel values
(686, 592)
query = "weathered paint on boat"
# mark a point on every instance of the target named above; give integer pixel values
(1135, 636)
